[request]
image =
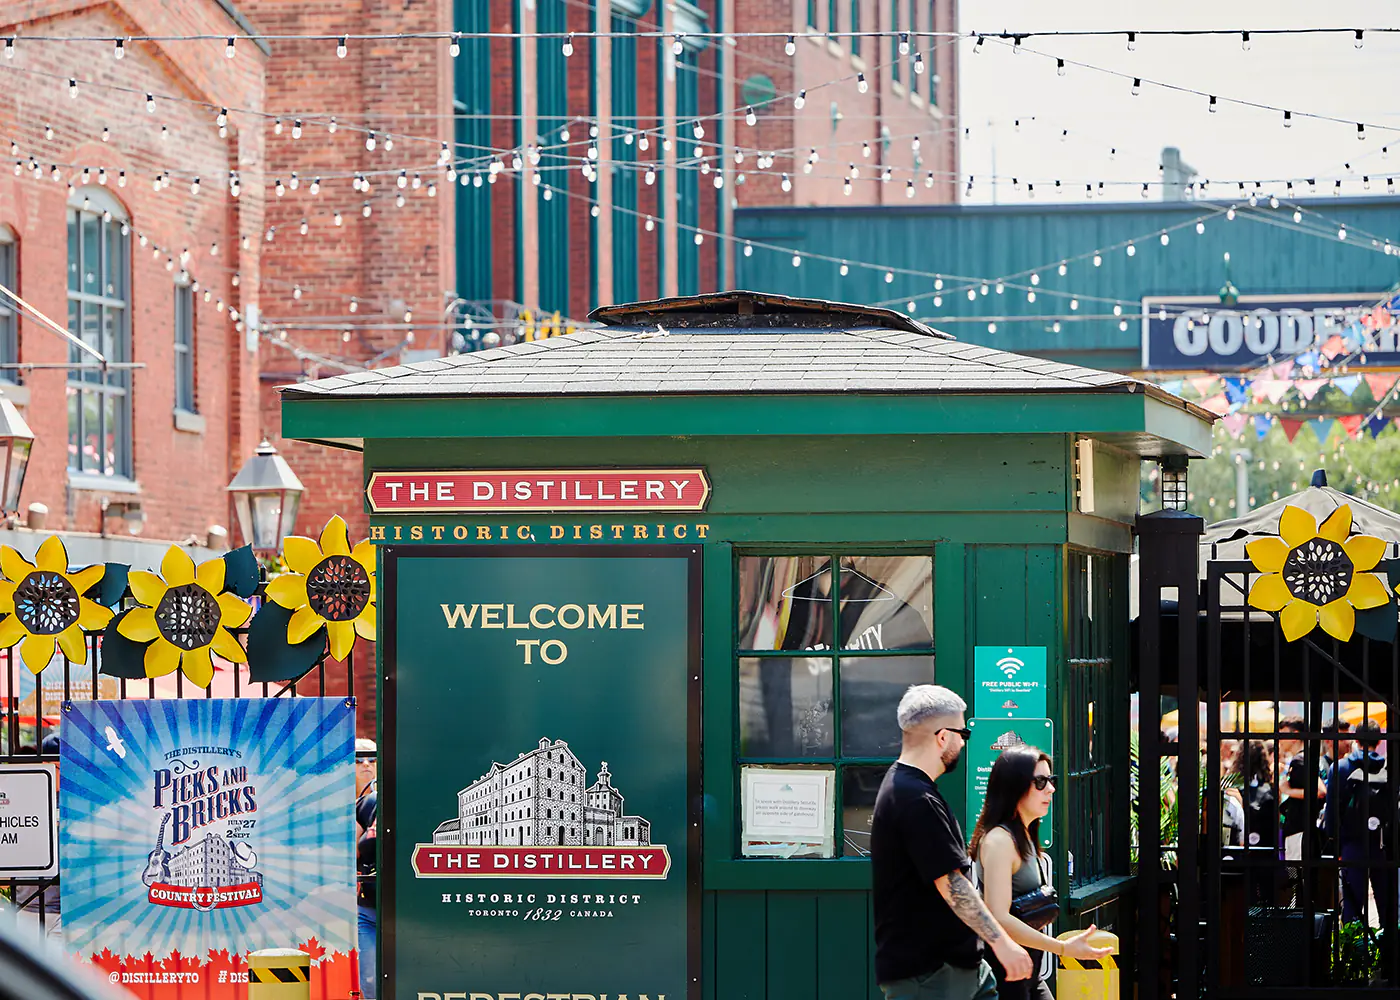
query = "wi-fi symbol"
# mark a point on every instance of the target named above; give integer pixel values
(1010, 666)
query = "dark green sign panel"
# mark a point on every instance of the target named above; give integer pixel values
(989, 738)
(541, 714)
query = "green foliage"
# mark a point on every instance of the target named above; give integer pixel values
(1356, 951)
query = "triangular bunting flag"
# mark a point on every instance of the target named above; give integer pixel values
(1204, 384)
(1282, 370)
(1235, 389)
(1351, 423)
(1322, 427)
(1309, 386)
(1333, 347)
(1277, 389)
(1173, 386)
(1290, 427)
(1235, 422)
(1380, 385)
(1347, 383)
(1377, 424)
(1217, 404)
(1259, 388)
(1262, 423)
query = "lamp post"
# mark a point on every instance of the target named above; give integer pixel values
(266, 494)
(16, 439)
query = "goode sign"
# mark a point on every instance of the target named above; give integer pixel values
(1196, 333)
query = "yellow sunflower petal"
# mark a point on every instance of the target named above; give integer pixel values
(210, 575)
(1298, 619)
(1337, 525)
(1296, 526)
(363, 553)
(177, 567)
(139, 625)
(1364, 551)
(7, 596)
(342, 638)
(197, 666)
(147, 588)
(1267, 553)
(37, 651)
(304, 622)
(335, 537)
(13, 565)
(52, 556)
(236, 611)
(92, 615)
(1269, 593)
(1338, 619)
(84, 579)
(367, 623)
(11, 631)
(301, 554)
(1367, 591)
(73, 644)
(161, 658)
(227, 645)
(288, 590)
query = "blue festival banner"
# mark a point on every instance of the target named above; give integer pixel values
(1198, 333)
(194, 831)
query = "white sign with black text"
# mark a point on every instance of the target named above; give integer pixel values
(28, 821)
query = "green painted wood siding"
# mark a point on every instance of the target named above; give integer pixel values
(551, 96)
(687, 174)
(624, 179)
(989, 241)
(472, 92)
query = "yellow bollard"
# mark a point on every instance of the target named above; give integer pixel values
(279, 974)
(1090, 980)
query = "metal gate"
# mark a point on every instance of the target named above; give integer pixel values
(30, 739)
(1243, 896)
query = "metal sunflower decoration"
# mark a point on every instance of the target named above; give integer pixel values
(44, 604)
(1316, 575)
(186, 617)
(328, 585)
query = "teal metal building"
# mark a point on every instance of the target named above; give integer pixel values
(1072, 316)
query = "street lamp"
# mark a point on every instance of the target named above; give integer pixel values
(266, 494)
(15, 441)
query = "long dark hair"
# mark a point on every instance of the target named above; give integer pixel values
(1008, 783)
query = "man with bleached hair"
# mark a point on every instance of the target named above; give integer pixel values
(930, 921)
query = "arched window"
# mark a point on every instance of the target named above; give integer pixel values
(99, 276)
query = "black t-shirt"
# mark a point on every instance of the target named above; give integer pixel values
(914, 841)
(1291, 809)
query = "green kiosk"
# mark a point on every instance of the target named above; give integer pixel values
(650, 593)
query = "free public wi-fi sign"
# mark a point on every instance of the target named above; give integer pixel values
(1010, 682)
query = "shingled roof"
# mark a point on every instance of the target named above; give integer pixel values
(726, 343)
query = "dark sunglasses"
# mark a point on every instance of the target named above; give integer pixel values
(966, 734)
(1041, 780)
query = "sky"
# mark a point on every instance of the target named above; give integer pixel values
(1322, 74)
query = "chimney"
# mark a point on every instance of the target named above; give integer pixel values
(1176, 174)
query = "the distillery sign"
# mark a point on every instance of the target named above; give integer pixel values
(512, 490)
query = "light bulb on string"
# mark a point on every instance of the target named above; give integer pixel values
(9, 48)
(865, 150)
(341, 47)
(454, 48)
(1030, 296)
(1212, 107)
(1230, 215)
(972, 295)
(371, 141)
(1132, 41)
(789, 47)
(938, 302)
(1273, 201)
(1118, 310)
(796, 260)
(845, 269)
(1063, 269)
(229, 51)
(305, 227)
(643, 143)
(1144, 191)
(277, 126)
(889, 277)
(919, 64)
(904, 43)
(1166, 238)
(315, 185)
(296, 128)
(331, 125)
(991, 328)
(678, 44)
(938, 283)
(1073, 304)
(786, 183)
(120, 51)
(928, 180)
(846, 187)
(650, 176)
(564, 134)
(568, 47)
(1098, 259)
(1342, 233)
(1200, 228)
(800, 101)
(861, 85)
(1360, 38)
(750, 117)
(337, 219)
(977, 46)
(1137, 86)
(1288, 119)
(1244, 41)
(1059, 67)
(908, 189)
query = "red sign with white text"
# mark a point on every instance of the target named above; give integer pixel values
(446, 861)
(205, 897)
(511, 490)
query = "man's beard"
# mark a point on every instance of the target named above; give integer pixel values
(950, 760)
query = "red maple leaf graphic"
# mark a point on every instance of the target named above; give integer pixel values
(313, 948)
(175, 962)
(106, 961)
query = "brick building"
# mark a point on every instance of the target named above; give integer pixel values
(145, 271)
(906, 95)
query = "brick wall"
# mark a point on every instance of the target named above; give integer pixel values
(182, 473)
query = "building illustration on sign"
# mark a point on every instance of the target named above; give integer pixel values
(214, 862)
(541, 798)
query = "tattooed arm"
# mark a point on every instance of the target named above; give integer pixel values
(966, 902)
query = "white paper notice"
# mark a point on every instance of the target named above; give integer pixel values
(789, 805)
(28, 821)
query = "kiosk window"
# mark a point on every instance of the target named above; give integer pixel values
(827, 645)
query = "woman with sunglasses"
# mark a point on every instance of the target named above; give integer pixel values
(1014, 870)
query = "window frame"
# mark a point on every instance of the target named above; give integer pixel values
(186, 328)
(895, 57)
(112, 227)
(855, 28)
(932, 68)
(836, 761)
(9, 314)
